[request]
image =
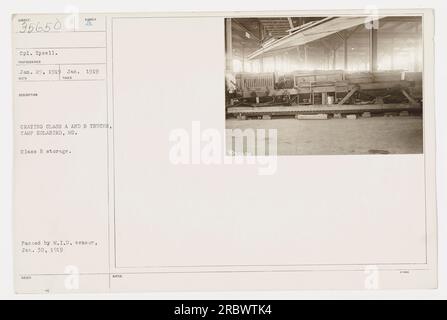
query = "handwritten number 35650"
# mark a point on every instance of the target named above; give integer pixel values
(32, 27)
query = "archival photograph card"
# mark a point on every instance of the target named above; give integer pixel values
(224, 151)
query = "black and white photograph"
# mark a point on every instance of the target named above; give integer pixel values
(328, 85)
(223, 156)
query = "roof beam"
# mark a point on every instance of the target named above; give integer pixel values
(241, 26)
(321, 29)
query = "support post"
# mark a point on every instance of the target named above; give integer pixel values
(334, 59)
(243, 59)
(229, 45)
(372, 48)
(392, 53)
(345, 58)
(305, 57)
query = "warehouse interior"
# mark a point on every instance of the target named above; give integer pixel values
(324, 68)
(397, 44)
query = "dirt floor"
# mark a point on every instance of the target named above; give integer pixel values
(377, 135)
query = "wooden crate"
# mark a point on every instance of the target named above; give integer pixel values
(255, 84)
